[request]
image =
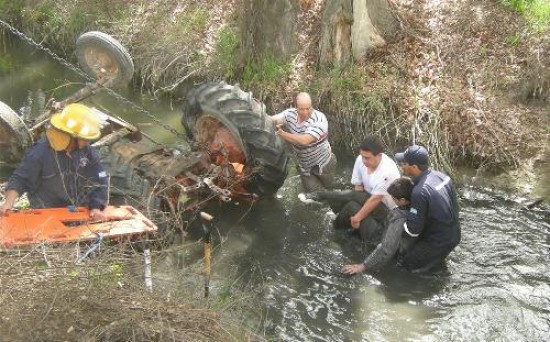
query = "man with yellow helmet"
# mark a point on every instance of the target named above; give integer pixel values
(63, 170)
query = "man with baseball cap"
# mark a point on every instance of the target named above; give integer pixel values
(433, 217)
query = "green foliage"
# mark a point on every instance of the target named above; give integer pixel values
(267, 73)
(349, 84)
(10, 9)
(226, 51)
(537, 12)
(514, 40)
(192, 21)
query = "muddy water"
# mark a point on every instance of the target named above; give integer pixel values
(496, 286)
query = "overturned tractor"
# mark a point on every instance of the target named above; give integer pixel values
(232, 149)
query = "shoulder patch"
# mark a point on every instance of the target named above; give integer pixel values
(413, 211)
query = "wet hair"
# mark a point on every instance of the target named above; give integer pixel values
(401, 188)
(372, 144)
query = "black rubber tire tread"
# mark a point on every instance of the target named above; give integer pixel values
(127, 185)
(247, 120)
(15, 133)
(111, 46)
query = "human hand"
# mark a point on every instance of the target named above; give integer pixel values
(279, 129)
(97, 215)
(4, 208)
(353, 269)
(355, 222)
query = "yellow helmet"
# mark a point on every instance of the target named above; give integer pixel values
(77, 120)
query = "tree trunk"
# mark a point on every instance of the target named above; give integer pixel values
(335, 43)
(352, 27)
(268, 28)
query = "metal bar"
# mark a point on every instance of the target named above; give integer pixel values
(147, 269)
(206, 220)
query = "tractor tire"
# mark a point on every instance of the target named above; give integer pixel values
(126, 185)
(100, 55)
(250, 126)
(15, 137)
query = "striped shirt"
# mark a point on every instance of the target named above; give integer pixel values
(316, 153)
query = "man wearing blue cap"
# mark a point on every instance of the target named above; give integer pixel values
(433, 217)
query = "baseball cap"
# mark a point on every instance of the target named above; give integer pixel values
(413, 155)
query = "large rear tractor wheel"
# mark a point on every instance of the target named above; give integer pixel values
(102, 56)
(15, 137)
(224, 112)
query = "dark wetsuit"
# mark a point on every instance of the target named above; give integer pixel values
(433, 219)
(53, 179)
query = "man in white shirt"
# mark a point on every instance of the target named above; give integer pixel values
(307, 130)
(365, 209)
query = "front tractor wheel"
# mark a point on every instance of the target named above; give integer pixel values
(235, 127)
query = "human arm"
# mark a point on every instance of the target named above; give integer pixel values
(389, 246)
(416, 217)
(11, 197)
(295, 138)
(24, 179)
(278, 119)
(356, 178)
(366, 209)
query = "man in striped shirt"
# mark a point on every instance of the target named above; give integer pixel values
(307, 130)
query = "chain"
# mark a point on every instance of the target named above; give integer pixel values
(146, 113)
(77, 70)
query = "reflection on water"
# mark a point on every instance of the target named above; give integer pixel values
(496, 286)
(29, 75)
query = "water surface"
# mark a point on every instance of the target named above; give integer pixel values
(496, 286)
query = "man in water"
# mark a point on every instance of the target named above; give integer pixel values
(364, 209)
(394, 242)
(306, 129)
(433, 219)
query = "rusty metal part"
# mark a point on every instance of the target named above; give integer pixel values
(223, 194)
(112, 137)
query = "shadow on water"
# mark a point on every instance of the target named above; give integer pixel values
(497, 281)
(494, 287)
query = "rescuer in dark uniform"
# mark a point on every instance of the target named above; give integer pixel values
(433, 217)
(63, 169)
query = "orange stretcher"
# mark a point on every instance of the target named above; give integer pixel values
(35, 226)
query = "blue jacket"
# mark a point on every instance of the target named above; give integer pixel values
(433, 216)
(54, 179)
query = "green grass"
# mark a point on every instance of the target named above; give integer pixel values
(537, 12)
(268, 73)
(192, 21)
(10, 9)
(226, 51)
(514, 40)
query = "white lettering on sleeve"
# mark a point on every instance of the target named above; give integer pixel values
(443, 183)
(408, 232)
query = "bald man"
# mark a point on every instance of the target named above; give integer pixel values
(307, 130)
